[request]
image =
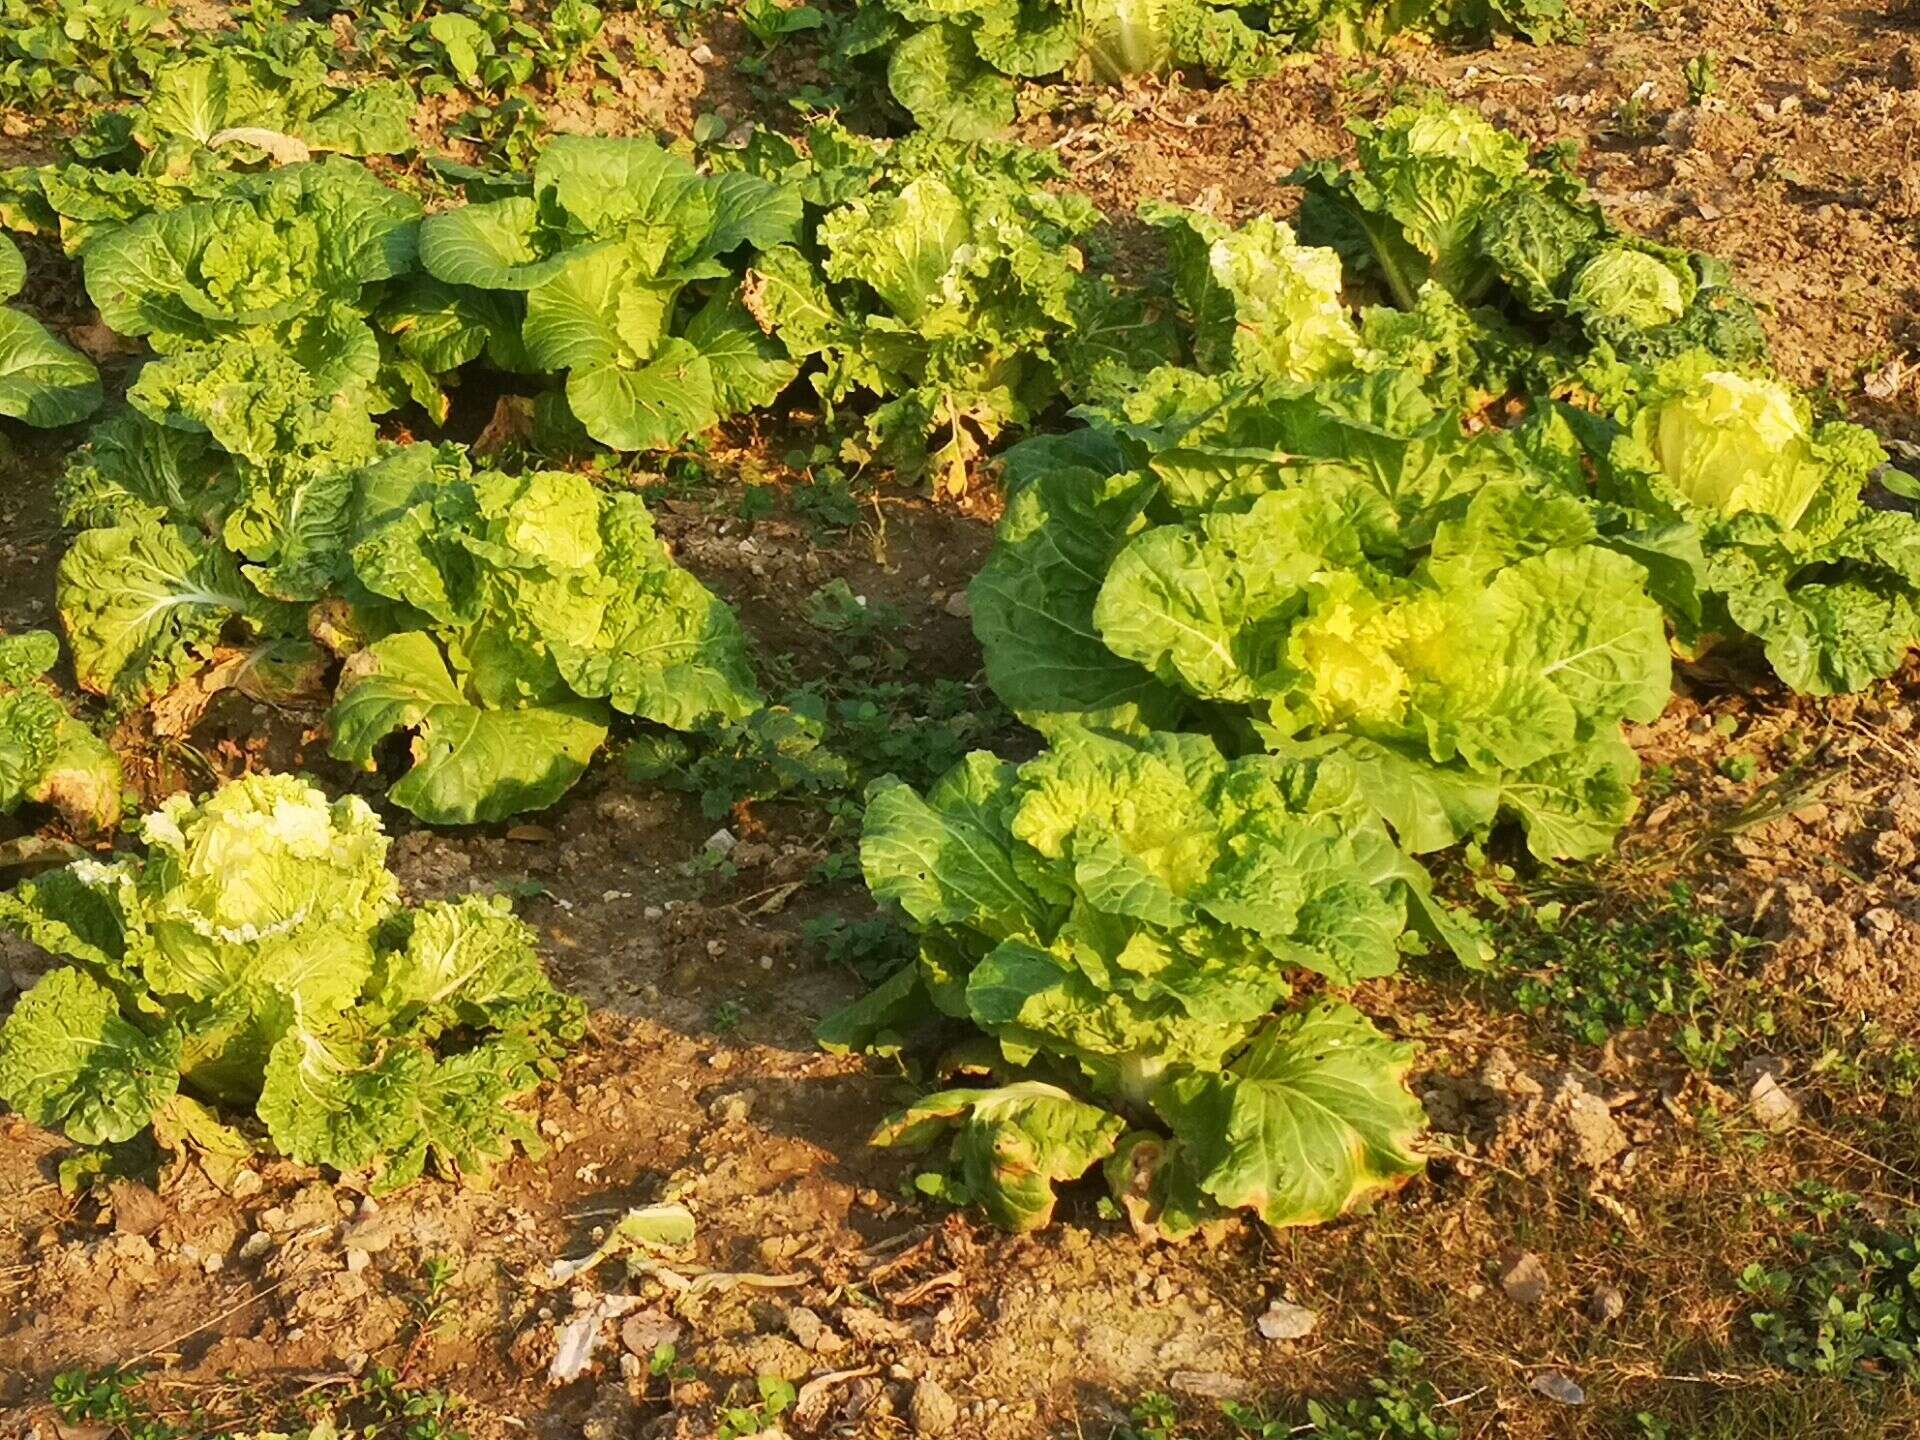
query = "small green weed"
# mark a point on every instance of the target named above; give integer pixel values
(781, 750)
(1598, 976)
(872, 949)
(776, 1395)
(108, 1396)
(1402, 1406)
(378, 1405)
(1846, 1309)
(824, 741)
(835, 609)
(1702, 76)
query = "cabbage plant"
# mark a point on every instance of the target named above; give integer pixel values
(1140, 920)
(1438, 196)
(47, 755)
(622, 262)
(1756, 521)
(251, 975)
(1342, 569)
(954, 67)
(945, 285)
(497, 620)
(43, 381)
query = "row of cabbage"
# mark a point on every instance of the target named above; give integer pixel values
(955, 66)
(242, 523)
(1347, 589)
(1309, 590)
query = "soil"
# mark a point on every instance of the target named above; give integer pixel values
(1587, 1208)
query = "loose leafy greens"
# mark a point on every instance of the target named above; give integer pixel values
(1441, 196)
(1756, 518)
(1342, 569)
(56, 53)
(289, 264)
(944, 280)
(256, 957)
(524, 607)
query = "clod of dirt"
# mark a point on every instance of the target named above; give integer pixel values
(931, 1410)
(137, 1210)
(730, 1108)
(371, 1231)
(612, 1415)
(646, 1331)
(1556, 1386)
(811, 1331)
(1903, 69)
(872, 1328)
(1607, 1305)
(1551, 1117)
(1524, 1278)
(1284, 1321)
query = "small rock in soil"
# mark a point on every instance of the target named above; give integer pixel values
(1772, 1105)
(1524, 1278)
(1208, 1385)
(1607, 1305)
(871, 1327)
(932, 1411)
(611, 1417)
(1287, 1322)
(370, 1233)
(1555, 1386)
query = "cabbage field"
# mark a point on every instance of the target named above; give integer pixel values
(1140, 719)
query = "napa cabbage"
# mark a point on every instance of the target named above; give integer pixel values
(254, 956)
(1133, 918)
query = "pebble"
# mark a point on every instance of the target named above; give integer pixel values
(1286, 1321)
(255, 1245)
(370, 1233)
(1556, 1386)
(1607, 1305)
(1772, 1105)
(1524, 1278)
